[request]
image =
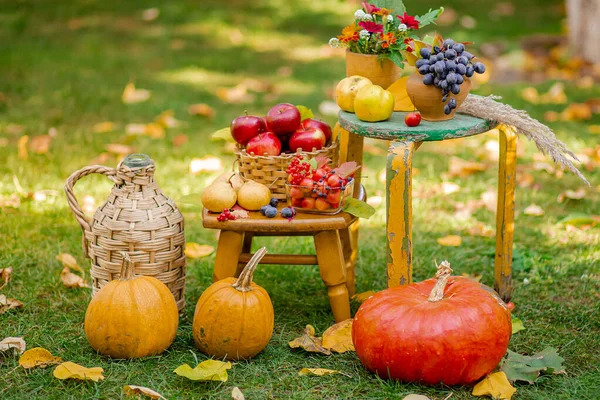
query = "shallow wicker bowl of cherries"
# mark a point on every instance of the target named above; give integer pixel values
(321, 190)
(446, 68)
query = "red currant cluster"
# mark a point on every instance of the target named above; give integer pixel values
(225, 215)
(297, 170)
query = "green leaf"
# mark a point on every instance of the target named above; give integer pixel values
(359, 208)
(223, 134)
(396, 58)
(305, 112)
(430, 17)
(577, 219)
(396, 5)
(209, 370)
(518, 367)
(192, 199)
(517, 325)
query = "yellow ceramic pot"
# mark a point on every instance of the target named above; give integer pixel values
(382, 72)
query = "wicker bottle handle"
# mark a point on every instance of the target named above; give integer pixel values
(72, 200)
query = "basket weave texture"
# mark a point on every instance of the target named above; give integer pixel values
(137, 218)
(271, 170)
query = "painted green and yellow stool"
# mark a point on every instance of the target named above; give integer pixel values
(404, 142)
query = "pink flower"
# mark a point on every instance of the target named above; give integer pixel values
(408, 20)
(371, 27)
(369, 8)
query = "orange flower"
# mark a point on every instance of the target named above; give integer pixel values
(384, 12)
(349, 33)
(387, 39)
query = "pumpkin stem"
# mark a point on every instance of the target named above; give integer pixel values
(244, 282)
(442, 275)
(127, 268)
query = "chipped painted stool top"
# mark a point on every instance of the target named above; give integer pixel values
(461, 125)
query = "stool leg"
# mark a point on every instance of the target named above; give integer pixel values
(228, 254)
(351, 149)
(246, 248)
(333, 272)
(350, 251)
(505, 215)
(399, 212)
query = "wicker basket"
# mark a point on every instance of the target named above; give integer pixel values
(137, 218)
(271, 170)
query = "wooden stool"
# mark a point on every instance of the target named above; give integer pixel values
(335, 239)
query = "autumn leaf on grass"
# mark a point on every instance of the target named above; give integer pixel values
(534, 210)
(38, 357)
(416, 397)
(235, 95)
(195, 250)
(572, 195)
(5, 276)
(132, 390)
(8, 304)
(236, 394)
(180, 140)
(518, 367)
(531, 95)
(480, 229)
(103, 127)
(576, 112)
(338, 337)
(167, 119)
(69, 261)
(594, 129)
(517, 325)
(131, 95)
(450, 240)
(202, 110)
(119, 150)
(22, 146)
(309, 342)
(70, 370)
(580, 220)
(401, 100)
(206, 164)
(209, 370)
(462, 168)
(16, 344)
(71, 280)
(40, 144)
(361, 297)
(153, 130)
(317, 371)
(495, 385)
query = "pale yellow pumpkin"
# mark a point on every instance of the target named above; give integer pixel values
(134, 316)
(234, 317)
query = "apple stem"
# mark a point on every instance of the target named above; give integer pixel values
(246, 112)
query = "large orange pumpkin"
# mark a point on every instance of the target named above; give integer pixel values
(234, 317)
(134, 316)
(449, 330)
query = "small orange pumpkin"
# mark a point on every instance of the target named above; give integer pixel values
(134, 316)
(234, 317)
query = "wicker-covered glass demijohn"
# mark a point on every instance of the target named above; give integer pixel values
(137, 218)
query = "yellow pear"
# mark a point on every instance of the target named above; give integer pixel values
(253, 195)
(233, 178)
(346, 90)
(219, 196)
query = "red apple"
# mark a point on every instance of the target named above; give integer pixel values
(265, 143)
(321, 204)
(246, 127)
(333, 197)
(319, 174)
(297, 202)
(308, 202)
(296, 193)
(306, 185)
(282, 119)
(307, 139)
(316, 123)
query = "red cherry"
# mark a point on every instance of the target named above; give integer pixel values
(412, 119)
(510, 305)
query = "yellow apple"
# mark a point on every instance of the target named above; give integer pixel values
(373, 103)
(347, 88)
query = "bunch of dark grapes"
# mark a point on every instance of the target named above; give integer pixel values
(446, 68)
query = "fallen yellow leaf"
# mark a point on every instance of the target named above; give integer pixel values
(195, 250)
(119, 149)
(40, 144)
(462, 168)
(70, 370)
(361, 297)
(480, 229)
(594, 129)
(69, 261)
(209, 370)
(132, 390)
(205, 164)
(401, 100)
(71, 280)
(8, 304)
(22, 146)
(531, 95)
(338, 337)
(495, 385)
(416, 397)
(14, 343)
(167, 119)
(451, 240)
(571, 194)
(5, 275)
(202, 110)
(38, 357)
(131, 95)
(153, 130)
(534, 209)
(236, 394)
(317, 371)
(576, 112)
(555, 95)
(551, 116)
(235, 95)
(309, 342)
(103, 127)
(180, 140)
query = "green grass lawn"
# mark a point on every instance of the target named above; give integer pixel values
(64, 66)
